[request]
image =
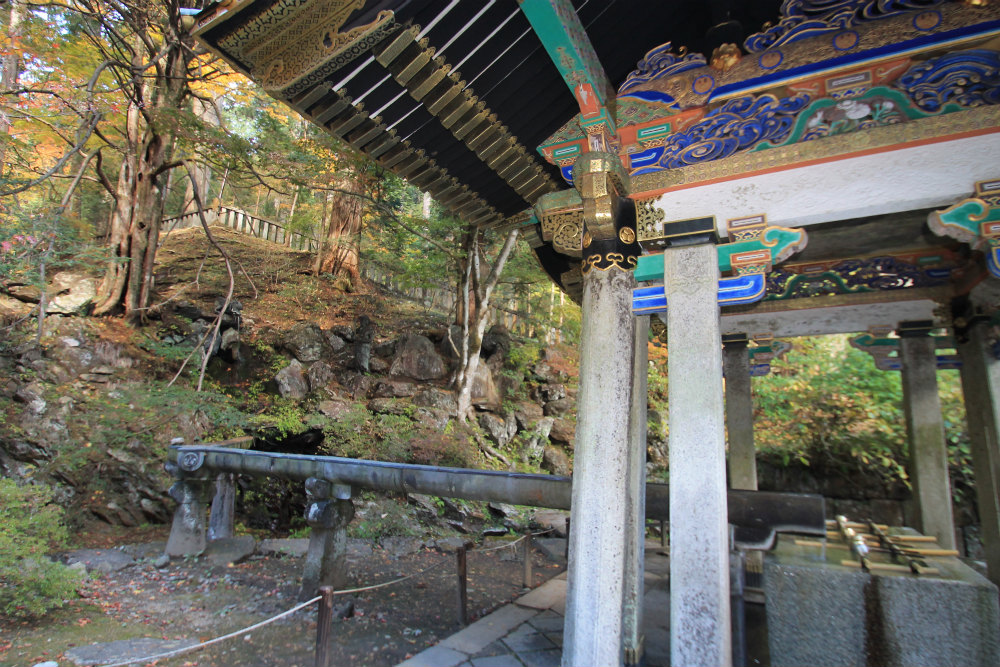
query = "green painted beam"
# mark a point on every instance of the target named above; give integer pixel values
(779, 241)
(565, 39)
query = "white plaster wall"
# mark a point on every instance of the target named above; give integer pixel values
(906, 179)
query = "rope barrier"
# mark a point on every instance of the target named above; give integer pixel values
(303, 605)
(231, 635)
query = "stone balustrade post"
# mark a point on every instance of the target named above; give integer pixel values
(328, 512)
(192, 492)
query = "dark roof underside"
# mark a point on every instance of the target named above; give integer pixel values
(500, 58)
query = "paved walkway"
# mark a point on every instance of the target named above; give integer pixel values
(528, 632)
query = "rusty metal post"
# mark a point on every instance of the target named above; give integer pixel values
(527, 561)
(324, 626)
(463, 598)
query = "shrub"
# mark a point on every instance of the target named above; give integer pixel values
(31, 584)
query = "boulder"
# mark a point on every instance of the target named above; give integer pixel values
(12, 309)
(74, 293)
(334, 409)
(484, 391)
(343, 331)
(336, 343)
(552, 392)
(437, 399)
(320, 375)
(386, 348)
(389, 406)
(448, 347)
(436, 420)
(416, 358)
(527, 413)
(292, 381)
(230, 550)
(394, 389)
(376, 365)
(231, 343)
(563, 432)
(559, 408)
(104, 561)
(358, 384)
(495, 428)
(556, 461)
(306, 342)
(496, 346)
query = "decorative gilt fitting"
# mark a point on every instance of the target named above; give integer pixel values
(725, 57)
(602, 182)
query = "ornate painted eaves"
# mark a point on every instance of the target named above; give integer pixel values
(974, 221)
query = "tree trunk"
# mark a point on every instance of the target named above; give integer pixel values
(202, 172)
(343, 234)
(474, 323)
(138, 207)
(11, 68)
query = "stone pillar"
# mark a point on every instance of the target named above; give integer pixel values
(221, 516)
(328, 512)
(981, 387)
(699, 529)
(925, 431)
(739, 414)
(187, 533)
(595, 594)
(635, 527)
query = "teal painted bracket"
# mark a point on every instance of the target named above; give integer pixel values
(975, 222)
(562, 34)
(780, 243)
(885, 351)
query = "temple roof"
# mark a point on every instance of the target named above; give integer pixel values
(455, 96)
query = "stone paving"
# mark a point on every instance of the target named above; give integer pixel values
(528, 632)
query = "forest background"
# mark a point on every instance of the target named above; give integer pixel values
(113, 119)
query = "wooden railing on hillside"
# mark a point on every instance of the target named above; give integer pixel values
(247, 223)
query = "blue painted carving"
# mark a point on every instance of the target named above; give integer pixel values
(661, 62)
(852, 276)
(738, 125)
(809, 18)
(967, 78)
(734, 291)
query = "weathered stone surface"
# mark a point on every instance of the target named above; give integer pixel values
(416, 358)
(552, 392)
(358, 384)
(527, 413)
(230, 550)
(100, 560)
(495, 428)
(376, 365)
(13, 309)
(231, 341)
(563, 432)
(431, 418)
(31, 395)
(389, 406)
(343, 331)
(74, 292)
(484, 390)
(400, 546)
(560, 407)
(294, 547)
(320, 375)
(448, 346)
(554, 520)
(292, 382)
(306, 342)
(336, 342)
(438, 399)
(394, 389)
(386, 348)
(124, 649)
(556, 461)
(335, 409)
(496, 346)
